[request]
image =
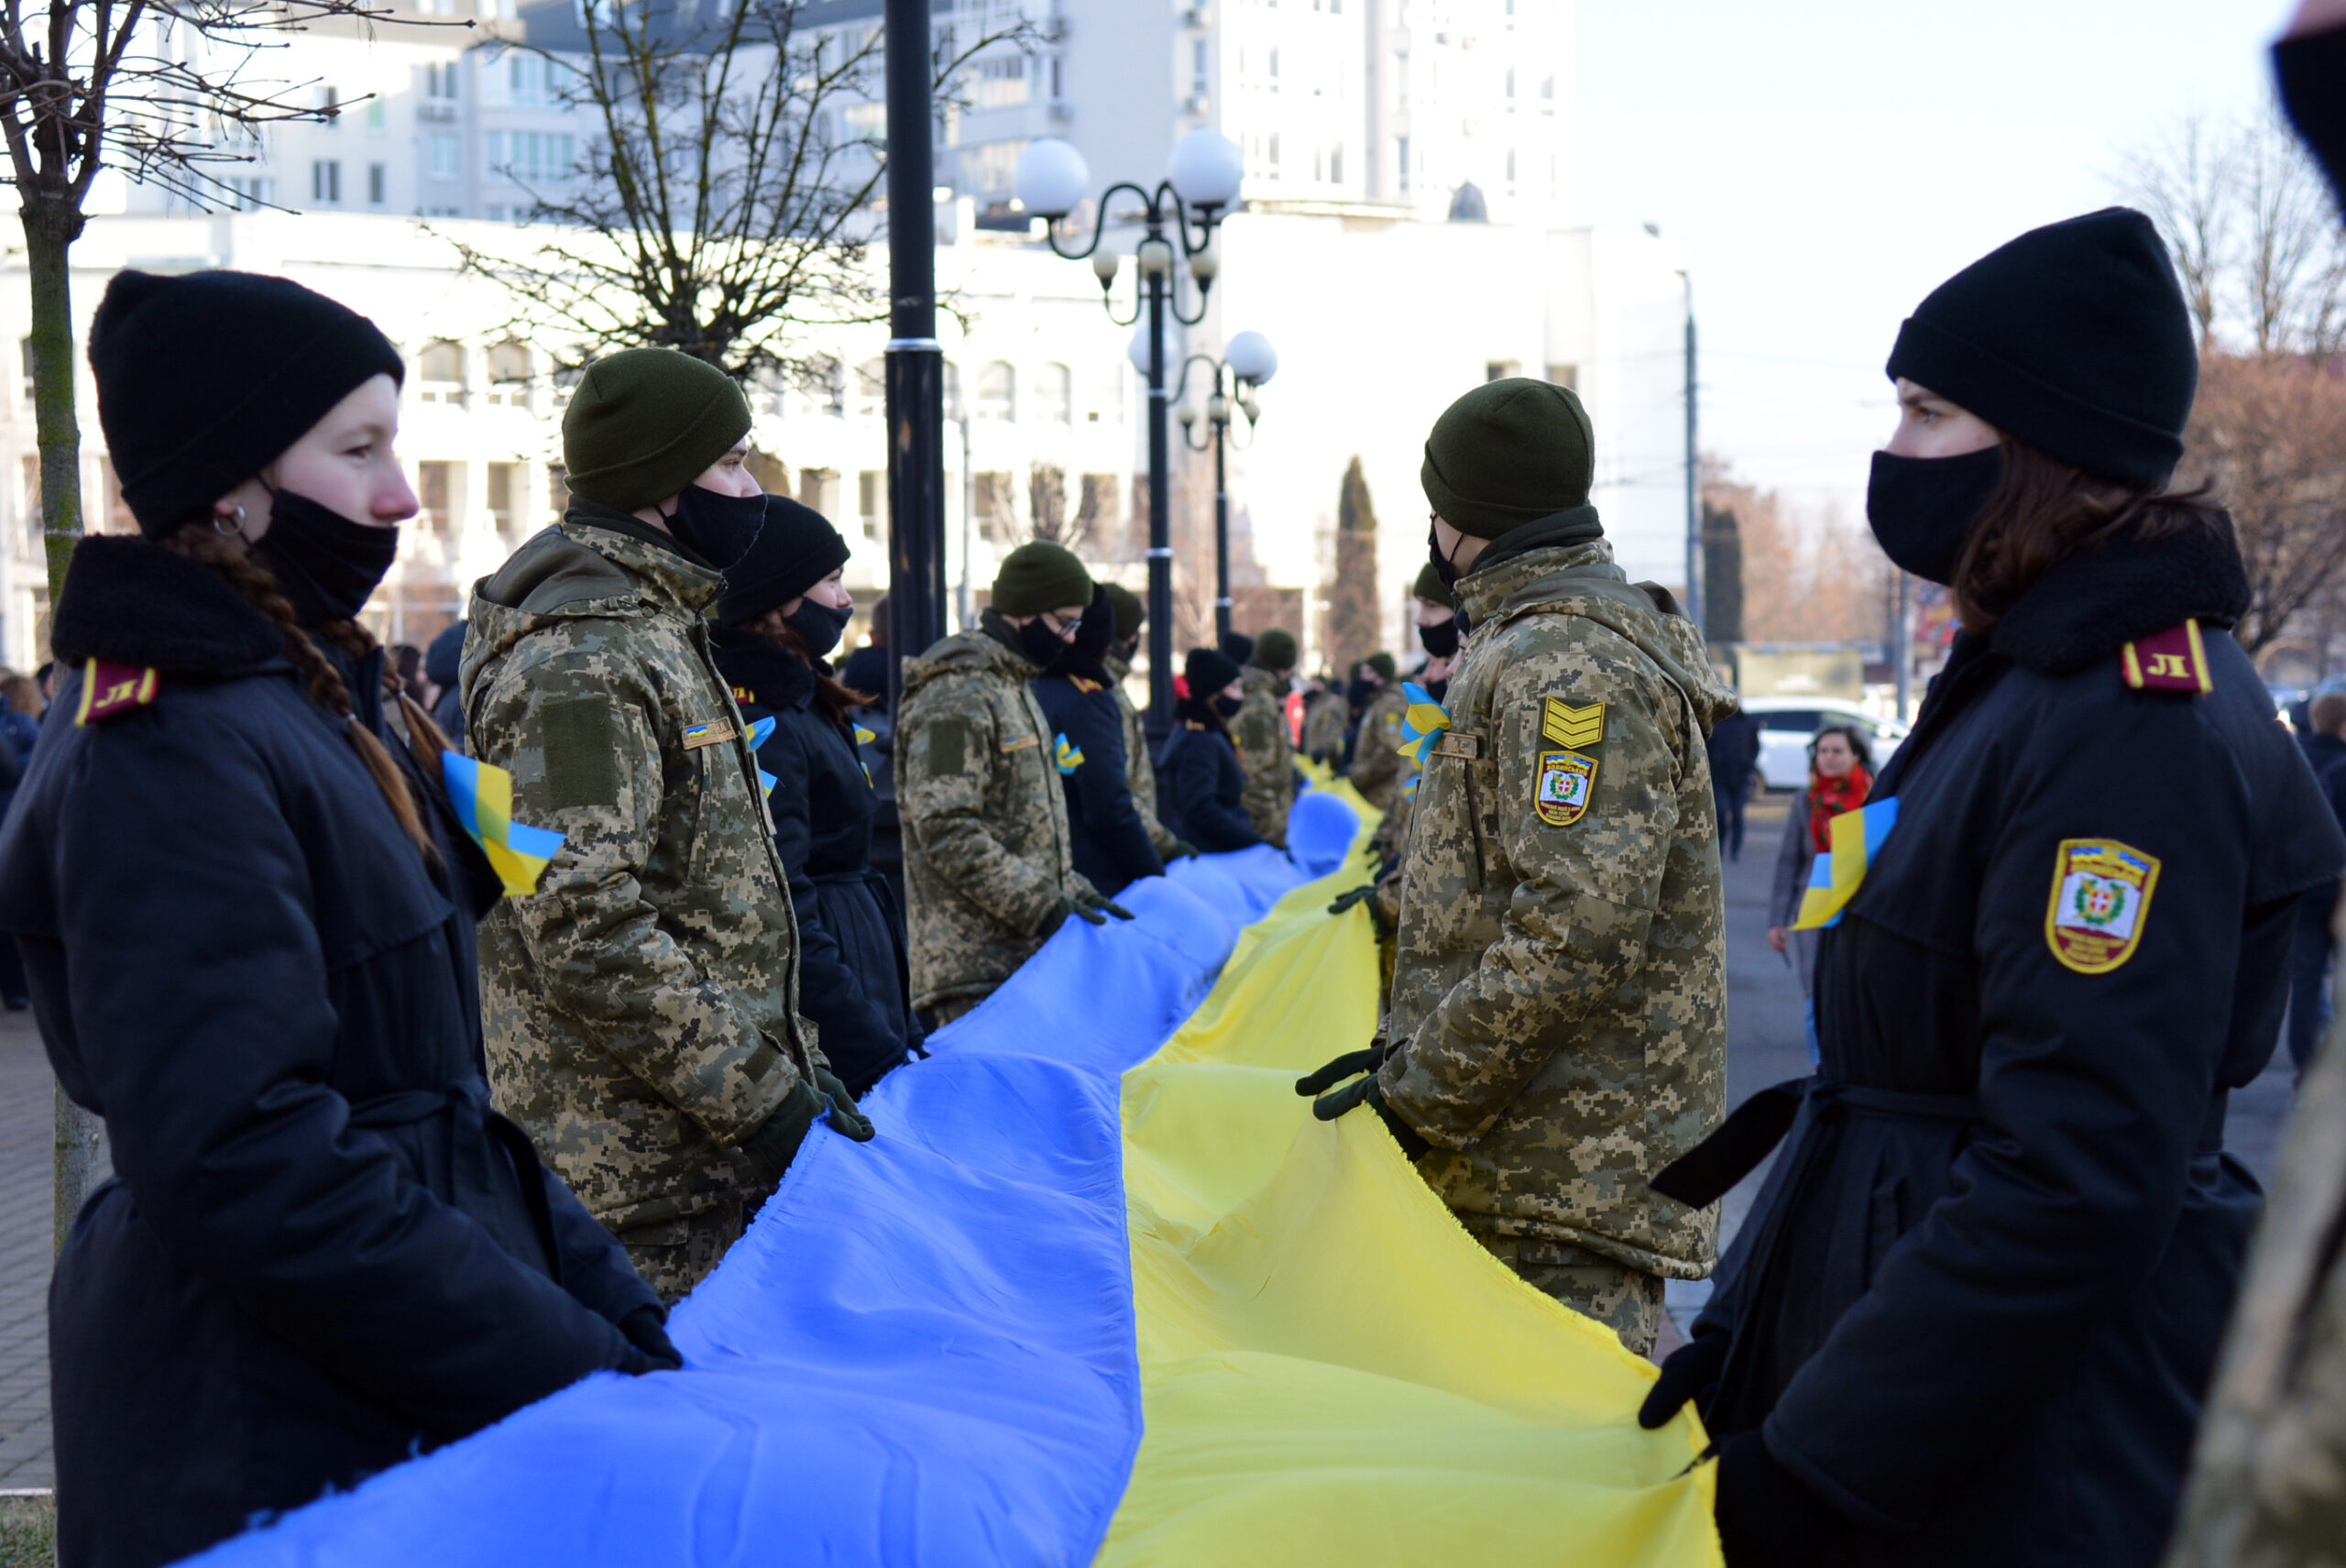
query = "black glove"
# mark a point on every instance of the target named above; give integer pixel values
(1353, 895)
(649, 1348)
(1691, 1372)
(1061, 910)
(1767, 1518)
(846, 1118)
(1368, 1058)
(1106, 906)
(1182, 849)
(1328, 1107)
(775, 1145)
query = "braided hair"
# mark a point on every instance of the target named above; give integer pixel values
(227, 557)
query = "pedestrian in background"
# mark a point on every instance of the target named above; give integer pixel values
(2309, 1005)
(866, 669)
(443, 674)
(987, 860)
(1735, 766)
(1972, 1313)
(1437, 619)
(1108, 841)
(246, 912)
(643, 1007)
(1266, 746)
(1140, 767)
(1325, 722)
(1374, 765)
(1558, 1030)
(1840, 771)
(1205, 786)
(783, 610)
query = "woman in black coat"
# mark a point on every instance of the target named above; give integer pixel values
(1973, 1311)
(783, 610)
(1200, 788)
(1106, 838)
(247, 924)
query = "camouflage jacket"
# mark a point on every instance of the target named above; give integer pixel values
(1559, 1017)
(1139, 770)
(986, 850)
(1265, 755)
(2268, 1481)
(1323, 730)
(1376, 767)
(1392, 843)
(642, 1010)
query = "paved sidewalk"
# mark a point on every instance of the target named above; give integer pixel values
(26, 1118)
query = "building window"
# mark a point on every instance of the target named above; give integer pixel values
(1055, 395)
(1058, 77)
(871, 389)
(374, 114)
(325, 182)
(1002, 83)
(1510, 82)
(996, 393)
(871, 501)
(996, 510)
(1198, 73)
(1274, 71)
(1510, 167)
(1502, 369)
(531, 157)
(377, 177)
(1565, 376)
(1336, 163)
(441, 155)
(439, 373)
(434, 486)
(505, 485)
(508, 375)
(987, 169)
(330, 101)
(1401, 161)
(440, 81)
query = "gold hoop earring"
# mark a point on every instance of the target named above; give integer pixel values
(233, 530)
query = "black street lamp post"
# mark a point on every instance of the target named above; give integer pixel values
(1248, 361)
(1201, 185)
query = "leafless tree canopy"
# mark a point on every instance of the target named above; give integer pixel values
(725, 192)
(2271, 433)
(1825, 582)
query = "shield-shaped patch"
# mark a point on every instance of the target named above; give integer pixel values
(2101, 897)
(1563, 787)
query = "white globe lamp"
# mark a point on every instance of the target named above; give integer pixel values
(1251, 358)
(1051, 178)
(1205, 169)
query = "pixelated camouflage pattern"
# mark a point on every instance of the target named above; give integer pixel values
(2268, 1481)
(1323, 730)
(1265, 757)
(1376, 770)
(640, 1008)
(1559, 993)
(1140, 772)
(1391, 841)
(986, 848)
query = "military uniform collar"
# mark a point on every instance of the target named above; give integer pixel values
(774, 676)
(2091, 605)
(1488, 593)
(659, 560)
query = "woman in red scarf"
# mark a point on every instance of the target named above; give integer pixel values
(1840, 771)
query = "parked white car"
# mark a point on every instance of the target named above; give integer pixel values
(1787, 724)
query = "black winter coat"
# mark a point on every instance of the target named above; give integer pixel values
(1976, 1303)
(1200, 788)
(1107, 839)
(854, 983)
(322, 1250)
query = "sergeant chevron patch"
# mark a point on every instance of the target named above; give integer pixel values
(1578, 727)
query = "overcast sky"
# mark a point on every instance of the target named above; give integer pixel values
(1832, 160)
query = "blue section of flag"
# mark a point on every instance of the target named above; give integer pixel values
(760, 732)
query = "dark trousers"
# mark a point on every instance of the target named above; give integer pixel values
(13, 990)
(1731, 821)
(2309, 971)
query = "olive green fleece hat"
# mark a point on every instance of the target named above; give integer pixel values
(645, 423)
(1508, 453)
(1038, 577)
(1274, 649)
(1130, 611)
(1382, 664)
(1431, 588)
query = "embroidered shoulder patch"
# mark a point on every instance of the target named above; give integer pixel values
(2102, 896)
(2175, 659)
(708, 732)
(1564, 725)
(110, 688)
(1562, 787)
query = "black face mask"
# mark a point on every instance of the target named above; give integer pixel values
(1093, 633)
(1923, 509)
(718, 529)
(1440, 640)
(1442, 566)
(1041, 645)
(818, 625)
(1360, 691)
(1438, 690)
(1228, 706)
(326, 564)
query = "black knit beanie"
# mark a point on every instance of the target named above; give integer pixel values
(1208, 671)
(1130, 611)
(644, 423)
(1508, 453)
(180, 432)
(1037, 576)
(1237, 647)
(1274, 649)
(797, 549)
(2073, 338)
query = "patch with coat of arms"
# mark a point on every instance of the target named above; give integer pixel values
(1562, 790)
(2102, 896)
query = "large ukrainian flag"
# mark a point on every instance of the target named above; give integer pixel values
(1103, 1290)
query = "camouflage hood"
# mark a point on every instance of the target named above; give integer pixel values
(969, 653)
(1582, 579)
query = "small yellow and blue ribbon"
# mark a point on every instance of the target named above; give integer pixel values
(864, 738)
(1070, 757)
(1856, 837)
(1421, 725)
(482, 793)
(759, 734)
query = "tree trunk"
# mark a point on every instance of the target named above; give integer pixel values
(50, 227)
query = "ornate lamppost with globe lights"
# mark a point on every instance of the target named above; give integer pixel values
(1247, 361)
(1199, 187)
